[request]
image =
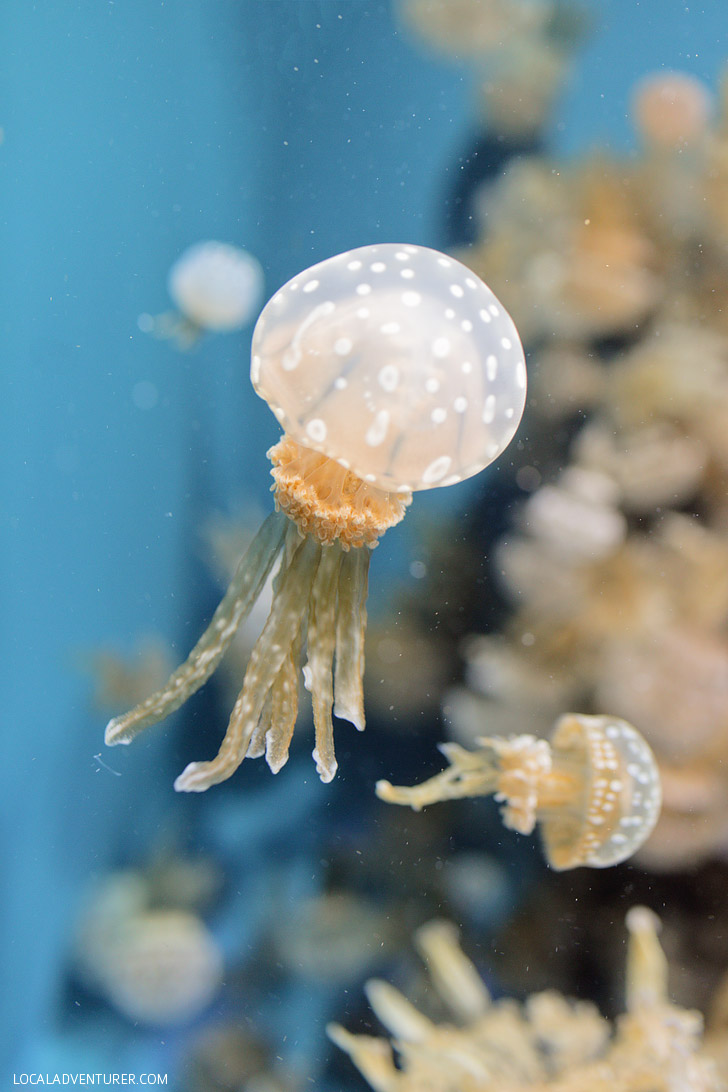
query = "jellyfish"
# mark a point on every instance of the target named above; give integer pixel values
(594, 789)
(392, 368)
(215, 286)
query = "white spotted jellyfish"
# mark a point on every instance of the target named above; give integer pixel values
(216, 287)
(391, 368)
(594, 788)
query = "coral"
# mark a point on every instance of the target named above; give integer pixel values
(568, 249)
(123, 680)
(616, 571)
(519, 51)
(547, 1043)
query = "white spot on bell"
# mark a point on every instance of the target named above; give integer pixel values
(436, 470)
(316, 430)
(388, 377)
(377, 431)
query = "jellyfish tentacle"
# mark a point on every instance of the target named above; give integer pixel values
(469, 774)
(257, 745)
(284, 711)
(351, 627)
(274, 731)
(321, 645)
(266, 659)
(242, 593)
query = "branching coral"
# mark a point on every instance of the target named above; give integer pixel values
(548, 1044)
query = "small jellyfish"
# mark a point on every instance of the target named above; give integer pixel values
(163, 967)
(594, 789)
(154, 962)
(215, 286)
(392, 368)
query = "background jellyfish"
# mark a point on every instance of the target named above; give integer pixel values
(154, 960)
(216, 287)
(392, 369)
(595, 788)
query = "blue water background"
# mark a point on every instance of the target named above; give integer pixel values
(132, 129)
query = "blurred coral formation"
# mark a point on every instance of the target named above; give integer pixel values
(119, 679)
(617, 570)
(548, 1042)
(519, 50)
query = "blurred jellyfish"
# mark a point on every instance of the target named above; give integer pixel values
(216, 287)
(154, 964)
(392, 368)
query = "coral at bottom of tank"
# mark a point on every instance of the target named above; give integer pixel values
(549, 1042)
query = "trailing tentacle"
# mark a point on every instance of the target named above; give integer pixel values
(350, 631)
(265, 662)
(321, 645)
(245, 587)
